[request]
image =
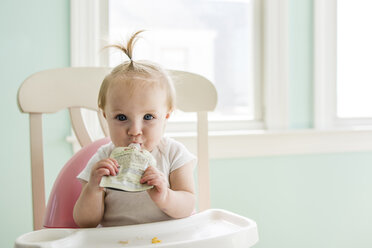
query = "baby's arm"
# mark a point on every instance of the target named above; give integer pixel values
(89, 208)
(178, 201)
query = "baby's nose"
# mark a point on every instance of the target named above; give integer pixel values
(135, 129)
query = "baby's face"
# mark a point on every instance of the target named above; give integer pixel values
(137, 118)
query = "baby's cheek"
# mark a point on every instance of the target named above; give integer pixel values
(154, 141)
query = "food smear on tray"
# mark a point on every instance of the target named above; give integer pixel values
(155, 240)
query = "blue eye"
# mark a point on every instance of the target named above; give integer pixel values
(148, 117)
(121, 117)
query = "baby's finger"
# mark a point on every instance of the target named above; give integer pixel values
(148, 176)
(112, 169)
(154, 180)
(103, 172)
(151, 169)
(115, 162)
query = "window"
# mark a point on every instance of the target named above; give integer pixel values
(89, 33)
(354, 53)
(218, 39)
(342, 54)
(231, 42)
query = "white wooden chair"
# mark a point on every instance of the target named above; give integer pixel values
(76, 88)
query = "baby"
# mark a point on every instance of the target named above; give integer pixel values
(137, 98)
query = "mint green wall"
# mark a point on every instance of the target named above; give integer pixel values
(300, 63)
(34, 37)
(301, 201)
(306, 201)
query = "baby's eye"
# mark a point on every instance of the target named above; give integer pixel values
(121, 117)
(148, 117)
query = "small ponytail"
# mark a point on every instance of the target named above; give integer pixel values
(128, 49)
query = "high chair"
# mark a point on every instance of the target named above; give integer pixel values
(77, 88)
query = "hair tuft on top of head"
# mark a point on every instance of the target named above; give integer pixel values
(128, 49)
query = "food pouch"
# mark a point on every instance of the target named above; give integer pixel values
(133, 162)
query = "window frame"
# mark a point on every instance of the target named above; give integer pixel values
(325, 70)
(274, 138)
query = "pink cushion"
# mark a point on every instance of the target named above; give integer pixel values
(67, 188)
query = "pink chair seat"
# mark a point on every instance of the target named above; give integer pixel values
(67, 188)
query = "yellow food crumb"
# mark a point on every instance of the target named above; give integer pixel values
(123, 242)
(155, 240)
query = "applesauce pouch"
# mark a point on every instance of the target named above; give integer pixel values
(133, 162)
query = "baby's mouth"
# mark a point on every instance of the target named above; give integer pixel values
(135, 142)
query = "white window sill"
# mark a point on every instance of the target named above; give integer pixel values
(240, 144)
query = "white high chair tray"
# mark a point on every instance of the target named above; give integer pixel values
(211, 228)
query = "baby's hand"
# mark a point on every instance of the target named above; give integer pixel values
(105, 167)
(156, 178)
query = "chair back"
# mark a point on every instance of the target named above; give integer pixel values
(75, 89)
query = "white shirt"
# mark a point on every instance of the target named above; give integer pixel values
(127, 208)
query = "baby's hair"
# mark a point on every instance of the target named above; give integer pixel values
(133, 72)
(128, 50)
